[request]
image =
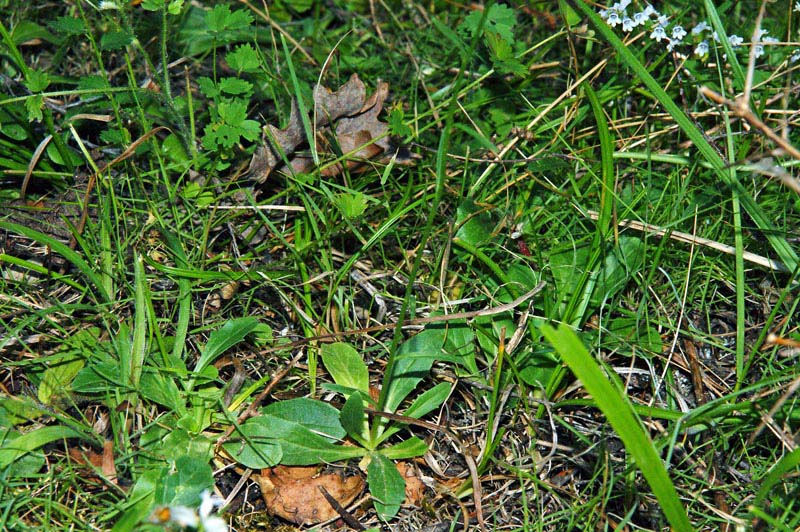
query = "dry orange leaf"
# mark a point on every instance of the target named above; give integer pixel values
(294, 494)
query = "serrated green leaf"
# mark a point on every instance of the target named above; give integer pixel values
(244, 58)
(115, 40)
(236, 87)
(345, 366)
(386, 485)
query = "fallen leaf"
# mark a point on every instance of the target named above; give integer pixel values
(415, 489)
(293, 493)
(346, 123)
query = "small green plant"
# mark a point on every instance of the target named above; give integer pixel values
(308, 431)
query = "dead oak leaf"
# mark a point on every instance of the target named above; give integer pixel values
(345, 123)
(294, 494)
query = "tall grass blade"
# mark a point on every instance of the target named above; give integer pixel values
(619, 413)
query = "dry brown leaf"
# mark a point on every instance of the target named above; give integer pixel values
(293, 493)
(415, 489)
(346, 122)
(103, 461)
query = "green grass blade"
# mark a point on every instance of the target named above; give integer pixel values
(779, 244)
(619, 413)
(62, 249)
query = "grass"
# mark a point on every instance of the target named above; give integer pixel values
(202, 323)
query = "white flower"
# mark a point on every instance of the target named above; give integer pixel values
(622, 5)
(613, 19)
(759, 50)
(678, 33)
(658, 33)
(105, 5)
(770, 40)
(701, 49)
(199, 518)
(603, 13)
(639, 18)
(797, 6)
(795, 56)
(735, 40)
(760, 33)
(627, 24)
(700, 28)
(649, 11)
(671, 44)
(662, 20)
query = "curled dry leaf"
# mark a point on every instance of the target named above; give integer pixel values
(293, 493)
(345, 122)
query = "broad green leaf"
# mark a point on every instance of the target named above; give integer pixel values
(622, 418)
(409, 448)
(345, 366)
(317, 416)
(15, 449)
(474, 223)
(411, 364)
(182, 483)
(386, 485)
(159, 388)
(230, 334)
(301, 446)
(429, 400)
(253, 446)
(57, 379)
(354, 419)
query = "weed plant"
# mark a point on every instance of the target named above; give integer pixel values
(567, 301)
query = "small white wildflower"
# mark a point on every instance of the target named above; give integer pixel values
(700, 28)
(701, 49)
(678, 33)
(662, 20)
(759, 50)
(658, 33)
(671, 44)
(107, 4)
(603, 14)
(735, 40)
(761, 33)
(770, 40)
(613, 19)
(639, 18)
(622, 5)
(797, 7)
(715, 36)
(627, 24)
(795, 56)
(649, 11)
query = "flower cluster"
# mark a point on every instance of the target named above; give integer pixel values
(673, 35)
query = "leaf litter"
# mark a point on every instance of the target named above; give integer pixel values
(345, 123)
